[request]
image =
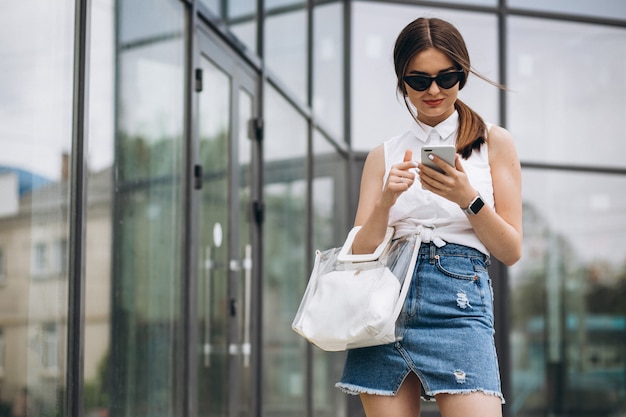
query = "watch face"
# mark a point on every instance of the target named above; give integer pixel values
(476, 205)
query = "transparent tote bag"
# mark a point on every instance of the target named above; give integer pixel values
(354, 301)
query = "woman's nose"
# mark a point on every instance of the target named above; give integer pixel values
(434, 88)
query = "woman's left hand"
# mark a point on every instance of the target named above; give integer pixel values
(452, 185)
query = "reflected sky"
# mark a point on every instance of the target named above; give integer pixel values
(613, 9)
(36, 86)
(585, 209)
(568, 91)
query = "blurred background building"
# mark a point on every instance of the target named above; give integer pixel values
(169, 166)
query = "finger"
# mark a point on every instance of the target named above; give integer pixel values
(408, 155)
(430, 177)
(458, 164)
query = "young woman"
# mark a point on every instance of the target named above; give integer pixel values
(463, 215)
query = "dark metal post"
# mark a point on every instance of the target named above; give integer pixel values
(256, 358)
(500, 271)
(77, 214)
(189, 270)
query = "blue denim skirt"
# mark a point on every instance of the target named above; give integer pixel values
(447, 328)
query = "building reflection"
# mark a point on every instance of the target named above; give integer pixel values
(33, 290)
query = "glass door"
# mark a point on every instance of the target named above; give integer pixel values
(226, 106)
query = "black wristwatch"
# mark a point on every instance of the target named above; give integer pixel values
(475, 206)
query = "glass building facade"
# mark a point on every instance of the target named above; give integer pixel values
(170, 166)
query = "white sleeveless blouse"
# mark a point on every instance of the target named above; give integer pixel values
(437, 219)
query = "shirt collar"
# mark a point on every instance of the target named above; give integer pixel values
(445, 129)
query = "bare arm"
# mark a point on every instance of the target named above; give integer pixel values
(500, 229)
(375, 201)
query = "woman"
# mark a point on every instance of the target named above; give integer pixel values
(470, 211)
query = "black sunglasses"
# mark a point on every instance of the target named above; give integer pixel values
(423, 82)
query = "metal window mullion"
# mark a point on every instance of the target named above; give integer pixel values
(188, 388)
(502, 56)
(500, 271)
(256, 357)
(308, 247)
(77, 213)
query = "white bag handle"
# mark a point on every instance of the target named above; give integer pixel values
(345, 255)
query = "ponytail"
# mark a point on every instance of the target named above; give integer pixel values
(472, 130)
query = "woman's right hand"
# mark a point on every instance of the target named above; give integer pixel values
(401, 178)
(377, 198)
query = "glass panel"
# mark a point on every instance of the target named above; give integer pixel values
(274, 4)
(471, 2)
(37, 49)
(378, 113)
(546, 73)
(245, 30)
(329, 206)
(214, 132)
(155, 25)
(246, 112)
(147, 212)
(328, 61)
(284, 267)
(241, 8)
(612, 9)
(286, 55)
(215, 6)
(239, 15)
(99, 214)
(2, 357)
(3, 274)
(568, 295)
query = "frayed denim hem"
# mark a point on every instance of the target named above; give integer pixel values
(356, 390)
(430, 396)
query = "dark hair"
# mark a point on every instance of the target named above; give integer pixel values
(424, 33)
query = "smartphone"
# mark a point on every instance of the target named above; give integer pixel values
(445, 152)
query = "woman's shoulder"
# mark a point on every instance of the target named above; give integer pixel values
(390, 150)
(500, 143)
(378, 152)
(498, 137)
(376, 158)
(495, 131)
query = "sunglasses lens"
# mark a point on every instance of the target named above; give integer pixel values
(418, 82)
(449, 80)
(422, 82)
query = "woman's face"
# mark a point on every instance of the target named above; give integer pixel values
(434, 104)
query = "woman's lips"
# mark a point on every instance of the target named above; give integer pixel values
(433, 103)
